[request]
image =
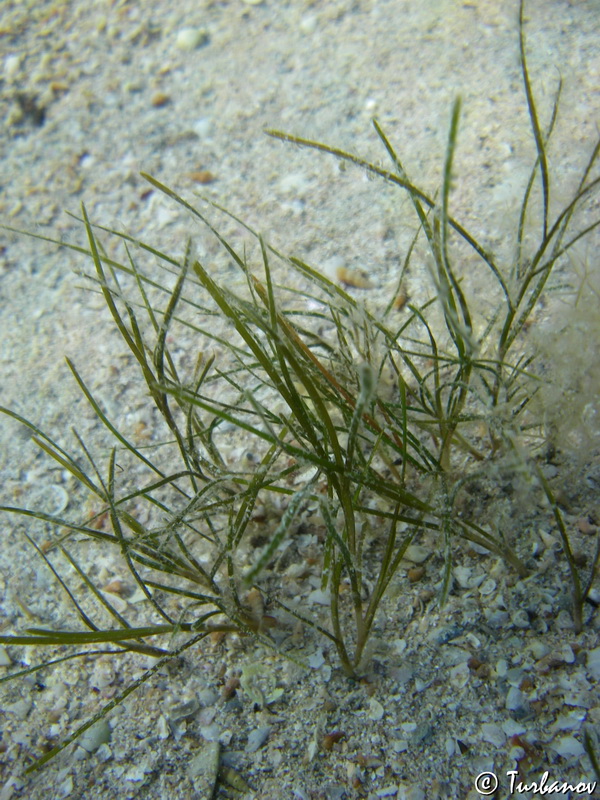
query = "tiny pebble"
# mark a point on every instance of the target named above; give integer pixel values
(160, 99)
(403, 674)
(308, 24)
(547, 538)
(162, 727)
(191, 38)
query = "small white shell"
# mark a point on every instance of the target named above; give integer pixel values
(52, 499)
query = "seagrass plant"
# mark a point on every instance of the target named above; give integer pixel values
(367, 425)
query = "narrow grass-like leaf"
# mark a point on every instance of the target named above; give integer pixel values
(282, 529)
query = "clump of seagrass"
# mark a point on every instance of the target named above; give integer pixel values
(330, 444)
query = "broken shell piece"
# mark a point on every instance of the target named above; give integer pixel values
(257, 738)
(376, 710)
(459, 675)
(487, 587)
(493, 734)
(332, 738)
(95, 736)
(416, 553)
(204, 769)
(178, 716)
(463, 576)
(568, 747)
(53, 499)
(593, 663)
(466, 578)
(356, 278)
